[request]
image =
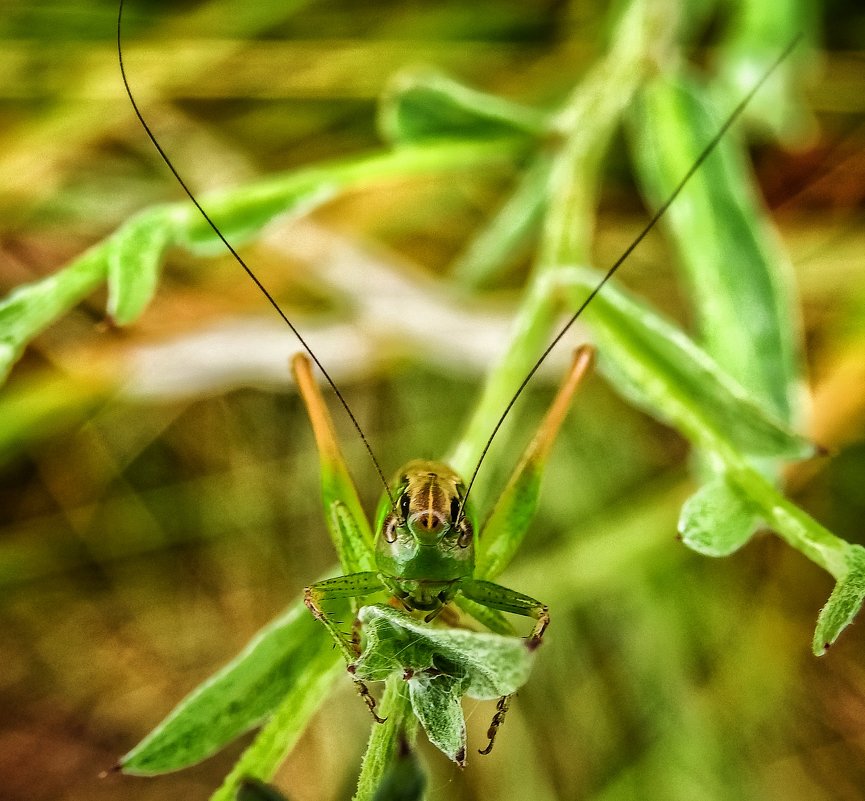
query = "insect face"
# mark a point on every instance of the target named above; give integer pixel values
(424, 537)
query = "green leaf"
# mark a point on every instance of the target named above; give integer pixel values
(738, 276)
(282, 731)
(423, 104)
(441, 665)
(241, 212)
(717, 520)
(255, 790)
(134, 255)
(844, 603)
(283, 663)
(350, 534)
(436, 702)
(29, 309)
(755, 33)
(509, 520)
(492, 665)
(656, 365)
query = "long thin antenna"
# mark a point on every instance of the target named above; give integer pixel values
(241, 262)
(704, 154)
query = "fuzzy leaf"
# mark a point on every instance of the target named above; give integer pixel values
(492, 665)
(30, 308)
(661, 369)
(442, 665)
(134, 260)
(287, 658)
(738, 277)
(424, 104)
(436, 703)
(717, 520)
(844, 603)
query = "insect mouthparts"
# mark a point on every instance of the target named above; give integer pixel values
(428, 526)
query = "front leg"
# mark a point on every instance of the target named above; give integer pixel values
(495, 596)
(354, 585)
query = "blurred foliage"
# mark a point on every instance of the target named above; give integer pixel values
(144, 540)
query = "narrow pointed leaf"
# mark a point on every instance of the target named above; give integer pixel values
(241, 212)
(509, 521)
(280, 733)
(435, 701)
(284, 660)
(134, 259)
(717, 520)
(347, 524)
(737, 275)
(658, 367)
(29, 309)
(844, 603)
(424, 104)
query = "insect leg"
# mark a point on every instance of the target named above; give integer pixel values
(495, 596)
(336, 483)
(506, 600)
(354, 585)
(509, 521)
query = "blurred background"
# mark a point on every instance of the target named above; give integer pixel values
(158, 484)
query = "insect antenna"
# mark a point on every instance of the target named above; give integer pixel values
(240, 260)
(611, 271)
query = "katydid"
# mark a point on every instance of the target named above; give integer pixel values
(424, 546)
(421, 552)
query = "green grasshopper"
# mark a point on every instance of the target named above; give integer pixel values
(425, 550)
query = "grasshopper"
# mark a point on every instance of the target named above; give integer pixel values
(425, 549)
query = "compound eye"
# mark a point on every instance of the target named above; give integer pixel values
(455, 509)
(404, 504)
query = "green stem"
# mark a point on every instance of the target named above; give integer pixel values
(587, 122)
(795, 526)
(31, 308)
(386, 739)
(256, 204)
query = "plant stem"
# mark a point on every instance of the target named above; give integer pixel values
(587, 121)
(795, 526)
(385, 739)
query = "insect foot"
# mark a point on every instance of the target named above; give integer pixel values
(367, 696)
(498, 719)
(534, 639)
